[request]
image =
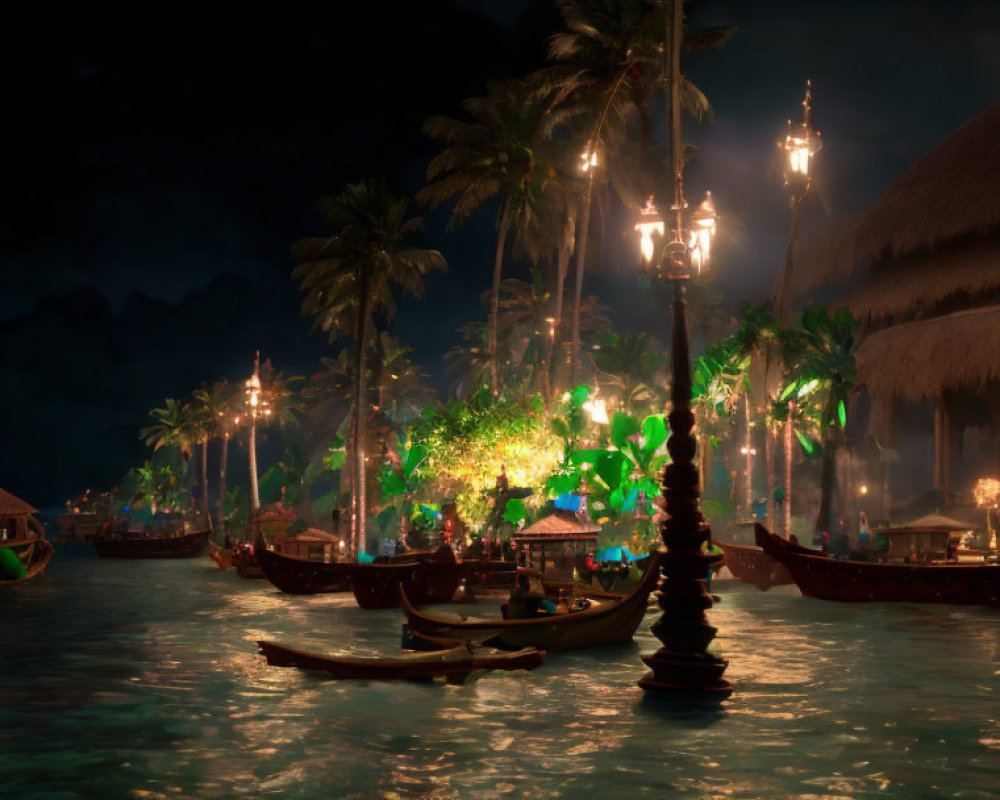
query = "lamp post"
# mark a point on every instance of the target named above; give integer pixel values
(801, 144)
(682, 669)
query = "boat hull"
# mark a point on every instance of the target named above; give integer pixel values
(41, 554)
(116, 545)
(861, 582)
(79, 527)
(294, 575)
(425, 582)
(752, 565)
(609, 622)
(454, 663)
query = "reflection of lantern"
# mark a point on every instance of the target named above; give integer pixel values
(650, 223)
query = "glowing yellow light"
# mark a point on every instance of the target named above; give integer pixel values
(863, 490)
(986, 491)
(597, 410)
(588, 160)
(650, 223)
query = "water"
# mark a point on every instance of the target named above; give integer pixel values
(124, 679)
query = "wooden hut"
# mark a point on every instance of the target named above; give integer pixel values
(552, 545)
(926, 260)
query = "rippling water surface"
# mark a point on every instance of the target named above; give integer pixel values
(131, 679)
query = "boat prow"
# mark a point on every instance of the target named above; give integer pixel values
(612, 621)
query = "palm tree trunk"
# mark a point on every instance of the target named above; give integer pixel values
(748, 446)
(223, 461)
(562, 269)
(495, 297)
(789, 457)
(582, 234)
(828, 480)
(359, 516)
(204, 482)
(769, 458)
(254, 489)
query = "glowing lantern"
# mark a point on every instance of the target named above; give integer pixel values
(703, 221)
(588, 160)
(801, 144)
(650, 223)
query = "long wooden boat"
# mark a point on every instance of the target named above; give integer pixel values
(751, 564)
(456, 663)
(296, 575)
(428, 580)
(604, 622)
(864, 581)
(132, 544)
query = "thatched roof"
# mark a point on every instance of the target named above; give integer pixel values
(953, 191)
(11, 506)
(941, 522)
(559, 522)
(921, 359)
(930, 279)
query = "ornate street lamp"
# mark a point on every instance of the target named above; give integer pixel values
(681, 670)
(801, 144)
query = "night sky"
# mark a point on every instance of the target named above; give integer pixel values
(159, 166)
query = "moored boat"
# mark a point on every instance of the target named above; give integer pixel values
(857, 581)
(164, 538)
(298, 575)
(750, 564)
(605, 621)
(24, 550)
(455, 663)
(432, 577)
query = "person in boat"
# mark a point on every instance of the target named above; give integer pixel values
(710, 548)
(864, 533)
(527, 601)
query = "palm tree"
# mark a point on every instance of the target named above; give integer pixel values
(349, 277)
(820, 351)
(634, 368)
(492, 155)
(220, 404)
(176, 425)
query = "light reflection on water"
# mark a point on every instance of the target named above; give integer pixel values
(133, 679)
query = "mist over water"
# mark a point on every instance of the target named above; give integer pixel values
(141, 680)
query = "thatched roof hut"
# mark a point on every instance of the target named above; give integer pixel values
(933, 236)
(927, 258)
(926, 358)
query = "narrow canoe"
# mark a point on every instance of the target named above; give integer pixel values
(455, 663)
(604, 622)
(863, 581)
